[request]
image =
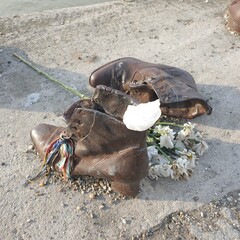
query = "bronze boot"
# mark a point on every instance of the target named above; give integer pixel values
(145, 82)
(232, 17)
(103, 146)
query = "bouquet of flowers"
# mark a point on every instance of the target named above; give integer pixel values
(173, 154)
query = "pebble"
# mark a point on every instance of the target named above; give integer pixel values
(154, 37)
(92, 186)
(170, 226)
(92, 215)
(92, 196)
(195, 199)
(30, 149)
(29, 221)
(124, 221)
(102, 206)
(101, 183)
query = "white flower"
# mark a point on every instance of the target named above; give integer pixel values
(160, 170)
(142, 116)
(187, 132)
(200, 148)
(183, 163)
(152, 152)
(190, 156)
(164, 131)
(178, 144)
(166, 136)
(166, 141)
(179, 169)
(154, 157)
(152, 173)
(198, 137)
(165, 170)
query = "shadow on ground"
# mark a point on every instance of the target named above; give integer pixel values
(22, 88)
(19, 82)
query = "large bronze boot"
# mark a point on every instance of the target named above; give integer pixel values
(103, 146)
(145, 82)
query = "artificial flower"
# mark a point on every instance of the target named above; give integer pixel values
(142, 116)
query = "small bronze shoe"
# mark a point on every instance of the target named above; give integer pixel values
(103, 146)
(146, 82)
(232, 17)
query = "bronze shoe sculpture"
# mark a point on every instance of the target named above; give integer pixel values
(232, 17)
(145, 82)
(102, 145)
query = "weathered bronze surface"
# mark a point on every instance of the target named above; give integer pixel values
(104, 147)
(145, 82)
(233, 16)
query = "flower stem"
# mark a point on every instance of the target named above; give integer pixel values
(170, 123)
(164, 154)
(66, 87)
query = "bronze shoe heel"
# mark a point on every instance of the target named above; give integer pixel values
(126, 189)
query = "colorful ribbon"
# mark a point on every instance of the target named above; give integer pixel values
(63, 148)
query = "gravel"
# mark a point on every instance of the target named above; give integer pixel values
(218, 219)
